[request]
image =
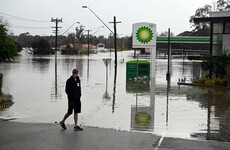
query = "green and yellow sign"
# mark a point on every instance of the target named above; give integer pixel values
(144, 35)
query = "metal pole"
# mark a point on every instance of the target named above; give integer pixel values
(168, 73)
(137, 85)
(88, 42)
(106, 75)
(115, 39)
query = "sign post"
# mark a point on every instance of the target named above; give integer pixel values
(144, 36)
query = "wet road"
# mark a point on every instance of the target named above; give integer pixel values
(184, 112)
(14, 136)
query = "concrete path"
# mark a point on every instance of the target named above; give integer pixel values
(30, 136)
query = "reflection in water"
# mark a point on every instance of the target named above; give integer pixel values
(167, 104)
(88, 69)
(217, 103)
(142, 117)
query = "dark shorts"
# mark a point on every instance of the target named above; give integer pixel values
(76, 106)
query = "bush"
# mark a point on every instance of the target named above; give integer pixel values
(221, 82)
(5, 98)
(195, 81)
(84, 52)
(208, 81)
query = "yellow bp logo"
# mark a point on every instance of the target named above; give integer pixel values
(144, 34)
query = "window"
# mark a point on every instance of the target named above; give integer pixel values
(227, 27)
(217, 27)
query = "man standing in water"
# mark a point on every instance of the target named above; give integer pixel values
(73, 91)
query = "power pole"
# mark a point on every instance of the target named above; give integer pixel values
(88, 40)
(56, 33)
(115, 37)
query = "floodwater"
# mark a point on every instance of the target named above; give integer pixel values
(164, 108)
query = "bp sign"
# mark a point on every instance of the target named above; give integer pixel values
(144, 35)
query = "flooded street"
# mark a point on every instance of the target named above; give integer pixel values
(176, 111)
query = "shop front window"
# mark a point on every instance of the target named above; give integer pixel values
(217, 27)
(227, 27)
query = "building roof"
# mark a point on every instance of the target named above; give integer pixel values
(223, 16)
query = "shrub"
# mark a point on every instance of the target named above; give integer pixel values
(221, 82)
(195, 81)
(208, 81)
(5, 98)
(202, 81)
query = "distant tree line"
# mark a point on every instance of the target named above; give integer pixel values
(26, 40)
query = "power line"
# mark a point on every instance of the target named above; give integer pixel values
(24, 27)
(24, 18)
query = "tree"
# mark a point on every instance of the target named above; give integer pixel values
(202, 27)
(41, 46)
(80, 34)
(8, 48)
(25, 39)
(71, 38)
(223, 5)
(166, 33)
(217, 64)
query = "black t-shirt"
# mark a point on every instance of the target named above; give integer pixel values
(73, 89)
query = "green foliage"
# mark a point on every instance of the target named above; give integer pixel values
(221, 82)
(218, 82)
(84, 52)
(217, 64)
(200, 81)
(208, 81)
(18, 45)
(8, 47)
(4, 98)
(1, 77)
(41, 46)
(69, 51)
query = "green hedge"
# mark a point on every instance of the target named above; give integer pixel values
(219, 82)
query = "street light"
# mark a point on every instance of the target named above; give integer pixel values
(98, 30)
(70, 27)
(97, 17)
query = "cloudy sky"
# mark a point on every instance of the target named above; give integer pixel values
(166, 14)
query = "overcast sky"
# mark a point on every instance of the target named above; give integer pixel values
(166, 14)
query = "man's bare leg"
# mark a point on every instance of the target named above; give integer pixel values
(75, 118)
(65, 117)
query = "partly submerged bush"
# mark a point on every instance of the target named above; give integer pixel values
(206, 81)
(4, 98)
(221, 82)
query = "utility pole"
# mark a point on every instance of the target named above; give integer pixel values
(88, 40)
(169, 56)
(56, 32)
(115, 37)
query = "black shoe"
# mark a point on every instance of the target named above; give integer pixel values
(77, 128)
(62, 125)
